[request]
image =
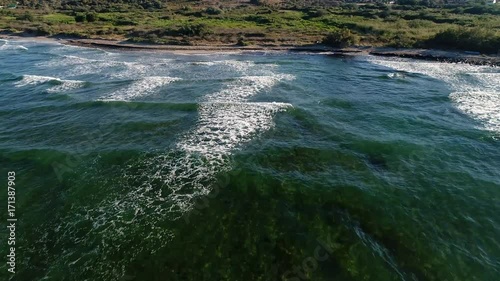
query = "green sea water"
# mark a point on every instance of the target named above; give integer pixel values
(248, 166)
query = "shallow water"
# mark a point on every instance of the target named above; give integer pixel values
(155, 166)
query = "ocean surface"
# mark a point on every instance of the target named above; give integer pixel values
(248, 166)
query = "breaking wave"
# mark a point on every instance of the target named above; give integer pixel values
(475, 89)
(139, 88)
(226, 120)
(110, 65)
(56, 84)
(8, 46)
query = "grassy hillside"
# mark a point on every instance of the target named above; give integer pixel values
(475, 27)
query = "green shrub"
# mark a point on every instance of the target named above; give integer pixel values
(80, 17)
(350, 6)
(124, 21)
(213, 11)
(42, 30)
(420, 23)
(91, 17)
(26, 16)
(152, 38)
(187, 30)
(402, 40)
(241, 42)
(257, 2)
(74, 34)
(317, 13)
(482, 9)
(151, 4)
(259, 19)
(470, 39)
(265, 11)
(341, 38)
(194, 30)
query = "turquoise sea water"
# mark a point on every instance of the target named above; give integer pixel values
(248, 166)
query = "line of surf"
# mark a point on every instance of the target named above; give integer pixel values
(142, 87)
(59, 85)
(475, 89)
(8, 46)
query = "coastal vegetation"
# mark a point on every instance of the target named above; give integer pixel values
(405, 24)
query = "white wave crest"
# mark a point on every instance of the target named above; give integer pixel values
(34, 80)
(483, 105)
(61, 86)
(8, 46)
(187, 172)
(246, 87)
(226, 121)
(475, 89)
(115, 69)
(237, 65)
(222, 127)
(139, 88)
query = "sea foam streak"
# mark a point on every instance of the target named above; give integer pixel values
(139, 88)
(226, 120)
(7, 46)
(110, 66)
(62, 85)
(476, 89)
(163, 188)
(81, 66)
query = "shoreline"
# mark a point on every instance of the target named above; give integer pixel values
(419, 54)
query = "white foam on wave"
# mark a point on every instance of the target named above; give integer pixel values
(132, 69)
(71, 60)
(236, 64)
(144, 67)
(222, 127)
(226, 121)
(8, 46)
(158, 190)
(139, 88)
(475, 89)
(13, 47)
(180, 176)
(62, 85)
(66, 85)
(171, 182)
(245, 87)
(34, 80)
(395, 75)
(110, 67)
(239, 67)
(76, 65)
